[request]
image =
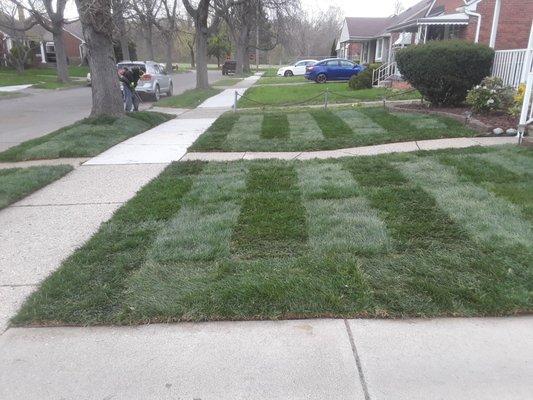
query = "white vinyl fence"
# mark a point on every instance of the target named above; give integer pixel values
(509, 66)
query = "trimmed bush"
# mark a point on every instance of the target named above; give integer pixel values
(444, 71)
(363, 80)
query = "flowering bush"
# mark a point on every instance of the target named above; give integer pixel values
(516, 107)
(491, 95)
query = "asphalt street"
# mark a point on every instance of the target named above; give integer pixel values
(39, 112)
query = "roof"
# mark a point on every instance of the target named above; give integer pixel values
(366, 27)
(369, 28)
(75, 29)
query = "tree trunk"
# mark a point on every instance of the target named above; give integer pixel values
(191, 51)
(239, 59)
(61, 55)
(106, 96)
(148, 41)
(202, 80)
(125, 48)
(168, 53)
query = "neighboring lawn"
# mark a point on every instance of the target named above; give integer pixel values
(43, 78)
(318, 129)
(296, 94)
(227, 81)
(16, 183)
(189, 99)
(85, 138)
(446, 233)
(271, 80)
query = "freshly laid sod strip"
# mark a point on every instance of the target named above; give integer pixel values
(272, 95)
(85, 138)
(318, 129)
(189, 99)
(16, 183)
(418, 234)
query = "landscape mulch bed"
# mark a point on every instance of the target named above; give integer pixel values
(491, 121)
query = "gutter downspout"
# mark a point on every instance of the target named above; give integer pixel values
(478, 16)
(495, 21)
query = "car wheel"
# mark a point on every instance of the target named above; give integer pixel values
(170, 90)
(288, 73)
(321, 78)
(157, 93)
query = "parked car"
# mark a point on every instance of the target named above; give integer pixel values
(298, 68)
(229, 67)
(332, 69)
(154, 81)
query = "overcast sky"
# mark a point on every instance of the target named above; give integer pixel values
(351, 8)
(358, 8)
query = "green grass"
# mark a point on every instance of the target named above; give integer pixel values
(16, 183)
(189, 99)
(85, 138)
(227, 81)
(413, 234)
(43, 78)
(271, 95)
(271, 80)
(318, 129)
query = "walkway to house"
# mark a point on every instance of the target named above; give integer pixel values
(303, 359)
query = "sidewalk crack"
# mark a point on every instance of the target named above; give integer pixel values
(357, 360)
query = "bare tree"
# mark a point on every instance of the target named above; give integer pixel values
(16, 28)
(119, 19)
(146, 11)
(50, 15)
(200, 16)
(398, 7)
(168, 26)
(97, 24)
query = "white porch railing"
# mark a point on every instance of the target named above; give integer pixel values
(383, 72)
(526, 116)
(509, 65)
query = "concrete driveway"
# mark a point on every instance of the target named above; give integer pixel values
(40, 111)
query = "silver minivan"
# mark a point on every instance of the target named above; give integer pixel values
(154, 81)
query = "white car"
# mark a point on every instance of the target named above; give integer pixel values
(297, 68)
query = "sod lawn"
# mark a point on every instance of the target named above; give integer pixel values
(16, 183)
(85, 138)
(189, 99)
(271, 80)
(413, 234)
(318, 129)
(312, 93)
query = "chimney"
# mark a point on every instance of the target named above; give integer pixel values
(20, 11)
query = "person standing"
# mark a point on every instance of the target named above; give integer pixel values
(126, 78)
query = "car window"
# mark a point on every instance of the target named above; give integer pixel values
(347, 64)
(299, 64)
(309, 63)
(332, 63)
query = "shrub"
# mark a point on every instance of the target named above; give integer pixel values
(363, 80)
(443, 71)
(490, 96)
(516, 108)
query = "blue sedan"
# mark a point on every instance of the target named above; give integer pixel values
(332, 69)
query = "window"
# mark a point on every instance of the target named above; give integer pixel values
(379, 49)
(299, 64)
(346, 64)
(332, 63)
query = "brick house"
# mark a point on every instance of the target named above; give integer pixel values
(501, 24)
(41, 41)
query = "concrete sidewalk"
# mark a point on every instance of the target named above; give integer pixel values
(490, 358)
(402, 147)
